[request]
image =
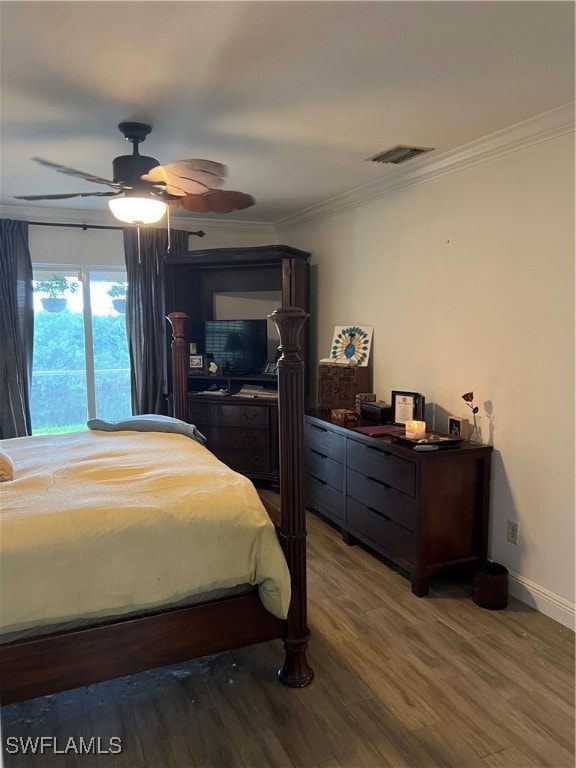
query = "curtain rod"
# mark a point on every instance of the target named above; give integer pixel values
(198, 233)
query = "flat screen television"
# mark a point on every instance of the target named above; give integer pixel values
(239, 347)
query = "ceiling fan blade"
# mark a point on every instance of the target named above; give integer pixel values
(172, 184)
(79, 174)
(192, 177)
(207, 172)
(217, 201)
(180, 167)
(65, 197)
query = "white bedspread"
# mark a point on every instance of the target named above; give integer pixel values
(96, 524)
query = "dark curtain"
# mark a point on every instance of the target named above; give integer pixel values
(145, 319)
(16, 329)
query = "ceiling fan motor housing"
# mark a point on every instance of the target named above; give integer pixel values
(128, 169)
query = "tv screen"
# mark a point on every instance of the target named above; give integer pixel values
(239, 347)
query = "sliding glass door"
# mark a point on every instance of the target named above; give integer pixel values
(81, 365)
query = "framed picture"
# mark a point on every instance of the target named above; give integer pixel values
(197, 364)
(271, 369)
(457, 427)
(407, 406)
(351, 344)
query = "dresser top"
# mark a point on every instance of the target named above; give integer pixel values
(322, 418)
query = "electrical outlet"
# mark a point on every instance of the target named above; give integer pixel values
(513, 531)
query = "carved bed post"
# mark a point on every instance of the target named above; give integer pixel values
(179, 368)
(295, 672)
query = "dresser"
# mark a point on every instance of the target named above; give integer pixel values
(241, 433)
(425, 512)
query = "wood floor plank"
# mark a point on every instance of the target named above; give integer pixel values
(510, 758)
(531, 671)
(553, 721)
(455, 704)
(395, 743)
(405, 702)
(332, 763)
(494, 711)
(446, 744)
(334, 673)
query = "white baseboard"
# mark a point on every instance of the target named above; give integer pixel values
(542, 600)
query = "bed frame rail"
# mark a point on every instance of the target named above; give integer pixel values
(33, 668)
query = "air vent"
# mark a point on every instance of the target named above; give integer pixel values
(399, 154)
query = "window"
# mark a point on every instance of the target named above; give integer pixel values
(81, 366)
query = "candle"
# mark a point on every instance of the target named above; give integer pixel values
(416, 429)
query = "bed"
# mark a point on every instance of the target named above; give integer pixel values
(152, 622)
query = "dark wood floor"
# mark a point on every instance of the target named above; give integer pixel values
(400, 681)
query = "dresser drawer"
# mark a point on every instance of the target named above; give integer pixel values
(236, 437)
(325, 441)
(382, 498)
(325, 499)
(326, 370)
(243, 460)
(382, 465)
(324, 468)
(231, 414)
(383, 534)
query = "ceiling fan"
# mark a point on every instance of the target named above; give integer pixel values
(140, 183)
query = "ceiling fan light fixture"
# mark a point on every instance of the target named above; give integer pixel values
(138, 210)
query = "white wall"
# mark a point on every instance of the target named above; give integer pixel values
(468, 281)
(103, 247)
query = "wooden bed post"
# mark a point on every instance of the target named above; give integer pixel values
(179, 376)
(295, 672)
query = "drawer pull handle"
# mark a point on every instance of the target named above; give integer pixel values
(249, 461)
(249, 416)
(380, 514)
(378, 482)
(319, 429)
(319, 480)
(316, 453)
(379, 452)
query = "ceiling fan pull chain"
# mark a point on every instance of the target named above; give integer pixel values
(168, 229)
(138, 242)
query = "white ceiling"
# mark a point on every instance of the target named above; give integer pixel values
(292, 96)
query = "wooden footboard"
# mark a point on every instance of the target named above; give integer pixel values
(37, 667)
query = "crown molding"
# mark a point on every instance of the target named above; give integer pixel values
(103, 219)
(544, 127)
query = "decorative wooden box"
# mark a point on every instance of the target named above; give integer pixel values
(339, 384)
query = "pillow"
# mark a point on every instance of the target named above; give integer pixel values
(149, 422)
(6, 467)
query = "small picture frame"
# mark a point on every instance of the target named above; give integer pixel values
(197, 364)
(271, 369)
(407, 406)
(458, 427)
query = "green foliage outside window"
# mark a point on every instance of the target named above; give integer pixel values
(59, 380)
(117, 291)
(56, 286)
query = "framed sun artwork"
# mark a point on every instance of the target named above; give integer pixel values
(351, 344)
